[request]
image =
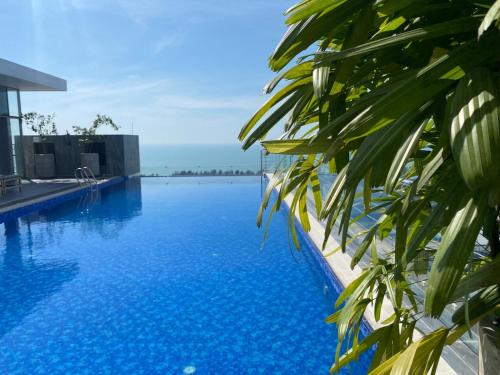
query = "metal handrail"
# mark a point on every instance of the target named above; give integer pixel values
(85, 175)
(90, 177)
(90, 174)
(79, 176)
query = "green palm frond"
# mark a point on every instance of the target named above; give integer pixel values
(401, 101)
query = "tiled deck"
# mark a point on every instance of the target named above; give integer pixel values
(33, 190)
(39, 191)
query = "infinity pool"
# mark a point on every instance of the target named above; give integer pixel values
(162, 276)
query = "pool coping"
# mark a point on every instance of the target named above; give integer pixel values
(339, 264)
(36, 203)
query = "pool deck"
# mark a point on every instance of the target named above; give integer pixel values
(340, 264)
(38, 191)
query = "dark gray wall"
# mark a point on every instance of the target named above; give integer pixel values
(115, 151)
(122, 154)
(131, 155)
(6, 166)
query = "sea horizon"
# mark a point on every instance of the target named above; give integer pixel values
(175, 158)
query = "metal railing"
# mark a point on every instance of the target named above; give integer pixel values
(270, 163)
(85, 176)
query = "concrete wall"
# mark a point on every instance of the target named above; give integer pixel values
(26, 79)
(131, 155)
(121, 154)
(6, 166)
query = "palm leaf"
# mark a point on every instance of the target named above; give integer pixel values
(295, 147)
(282, 94)
(452, 255)
(427, 32)
(483, 277)
(475, 129)
(493, 16)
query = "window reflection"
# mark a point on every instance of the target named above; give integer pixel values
(11, 161)
(12, 98)
(4, 104)
(15, 133)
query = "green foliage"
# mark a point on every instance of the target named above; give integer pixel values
(402, 101)
(43, 125)
(87, 134)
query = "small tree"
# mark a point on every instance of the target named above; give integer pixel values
(87, 134)
(43, 125)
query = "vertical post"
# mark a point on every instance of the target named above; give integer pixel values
(261, 172)
(21, 142)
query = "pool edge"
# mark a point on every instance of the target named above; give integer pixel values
(339, 266)
(40, 202)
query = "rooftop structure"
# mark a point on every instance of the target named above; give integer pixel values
(22, 78)
(13, 79)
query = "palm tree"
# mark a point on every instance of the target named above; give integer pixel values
(401, 101)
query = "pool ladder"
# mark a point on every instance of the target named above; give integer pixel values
(85, 176)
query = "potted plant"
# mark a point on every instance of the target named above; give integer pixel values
(88, 137)
(43, 152)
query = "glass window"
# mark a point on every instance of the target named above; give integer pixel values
(13, 103)
(4, 106)
(11, 156)
(15, 134)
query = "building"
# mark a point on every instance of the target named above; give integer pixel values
(106, 155)
(15, 78)
(54, 156)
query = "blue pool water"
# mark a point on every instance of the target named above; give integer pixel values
(162, 276)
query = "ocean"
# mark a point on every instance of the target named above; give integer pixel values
(169, 159)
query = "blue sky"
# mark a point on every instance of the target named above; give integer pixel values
(185, 71)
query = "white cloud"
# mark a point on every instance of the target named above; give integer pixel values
(165, 42)
(190, 102)
(162, 110)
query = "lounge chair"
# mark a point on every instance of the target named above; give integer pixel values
(12, 181)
